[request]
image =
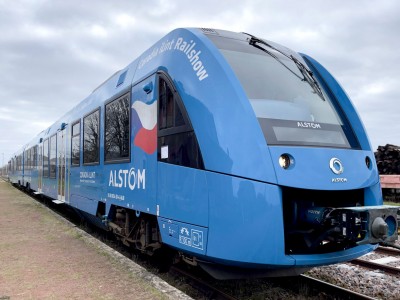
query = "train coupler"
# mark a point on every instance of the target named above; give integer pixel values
(360, 224)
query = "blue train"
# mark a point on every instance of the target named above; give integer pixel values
(246, 157)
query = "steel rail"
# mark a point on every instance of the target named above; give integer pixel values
(387, 250)
(212, 292)
(331, 289)
(375, 266)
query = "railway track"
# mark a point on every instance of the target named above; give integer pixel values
(388, 251)
(302, 286)
(373, 265)
(335, 291)
(376, 266)
(208, 289)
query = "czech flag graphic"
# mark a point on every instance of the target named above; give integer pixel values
(144, 125)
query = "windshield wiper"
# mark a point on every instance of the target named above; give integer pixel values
(308, 76)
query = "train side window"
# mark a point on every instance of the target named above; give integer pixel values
(29, 163)
(35, 157)
(46, 158)
(76, 144)
(32, 158)
(91, 138)
(177, 142)
(170, 114)
(53, 155)
(117, 124)
(25, 162)
(27, 159)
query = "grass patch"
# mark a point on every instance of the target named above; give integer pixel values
(391, 203)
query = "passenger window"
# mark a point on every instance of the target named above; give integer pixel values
(25, 162)
(91, 143)
(170, 114)
(35, 157)
(28, 159)
(177, 142)
(76, 144)
(53, 154)
(117, 124)
(46, 158)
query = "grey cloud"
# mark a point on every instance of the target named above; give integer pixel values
(54, 53)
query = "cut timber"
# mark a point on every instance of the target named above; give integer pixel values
(388, 159)
(390, 181)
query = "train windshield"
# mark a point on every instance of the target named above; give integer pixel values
(289, 109)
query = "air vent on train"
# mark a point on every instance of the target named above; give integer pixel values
(209, 31)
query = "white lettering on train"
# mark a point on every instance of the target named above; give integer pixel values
(187, 47)
(339, 180)
(193, 56)
(90, 175)
(309, 125)
(128, 178)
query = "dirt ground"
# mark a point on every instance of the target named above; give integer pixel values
(42, 257)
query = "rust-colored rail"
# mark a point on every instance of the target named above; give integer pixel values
(375, 266)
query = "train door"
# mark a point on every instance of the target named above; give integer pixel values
(40, 167)
(61, 159)
(182, 187)
(142, 175)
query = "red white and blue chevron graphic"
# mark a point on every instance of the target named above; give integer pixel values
(144, 126)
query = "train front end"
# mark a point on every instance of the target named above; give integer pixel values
(308, 192)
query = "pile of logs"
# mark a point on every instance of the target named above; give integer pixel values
(388, 159)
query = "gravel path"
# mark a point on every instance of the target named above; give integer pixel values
(43, 256)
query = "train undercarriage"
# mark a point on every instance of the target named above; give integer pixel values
(134, 229)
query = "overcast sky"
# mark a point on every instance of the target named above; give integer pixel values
(54, 53)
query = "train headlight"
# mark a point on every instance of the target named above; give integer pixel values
(285, 161)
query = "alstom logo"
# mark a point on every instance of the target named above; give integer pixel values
(336, 166)
(309, 125)
(133, 179)
(339, 180)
